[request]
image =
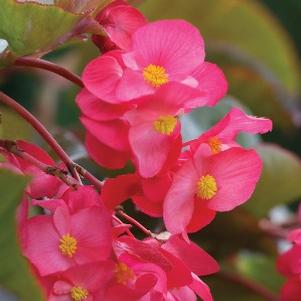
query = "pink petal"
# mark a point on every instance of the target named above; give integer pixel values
(119, 189)
(198, 261)
(150, 149)
(237, 121)
(173, 44)
(236, 171)
(104, 155)
(291, 291)
(111, 133)
(212, 85)
(179, 202)
(92, 228)
(201, 217)
(121, 22)
(101, 77)
(132, 85)
(201, 289)
(82, 197)
(61, 220)
(99, 110)
(149, 207)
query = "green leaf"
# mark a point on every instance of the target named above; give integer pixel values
(280, 180)
(33, 28)
(240, 24)
(14, 273)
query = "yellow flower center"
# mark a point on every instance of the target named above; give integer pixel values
(155, 75)
(68, 245)
(79, 293)
(206, 187)
(123, 273)
(165, 124)
(215, 145)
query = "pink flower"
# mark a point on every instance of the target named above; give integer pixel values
(154, 133)
(172, 258)
(222, 136)
(161, 52)
(119, 21)
(56, 243)
(204, 185)
(81, 283)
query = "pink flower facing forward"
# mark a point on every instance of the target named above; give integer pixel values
(161, 52)
(289, 265)
(204, 185)
(56, 243)
(119, 21)
(81, 283)
(154, 133)
(222, 136)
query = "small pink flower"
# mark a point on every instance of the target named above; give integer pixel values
(154, 133)
(119, 21)
(55, 243)
(204, 185)
(222, 135)
(81, 283)
(161, 52)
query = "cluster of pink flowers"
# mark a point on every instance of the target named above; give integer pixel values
(150, 74)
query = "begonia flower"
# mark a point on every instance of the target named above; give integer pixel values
(204, 185)
(172, 52)
(56, 243)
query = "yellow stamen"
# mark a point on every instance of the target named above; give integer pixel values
(68, 245)
(215, 144)
(155, 75)
(79, 293)
(123, 273)
(165, 124)
(206, 187)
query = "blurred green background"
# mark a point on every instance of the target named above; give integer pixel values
(258, 45)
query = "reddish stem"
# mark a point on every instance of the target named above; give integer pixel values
(45, 65)
(256, 288)
(135, 223)
(87, 175)
(13, 148)
(39, 127)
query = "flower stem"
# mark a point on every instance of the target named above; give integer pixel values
(39, 127)
(73, 168)
(45, 65)
(12, 147)
(135, 223)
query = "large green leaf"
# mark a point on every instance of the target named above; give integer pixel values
(33, 28)
(239, 24)
(14, 273)
(280, 180)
